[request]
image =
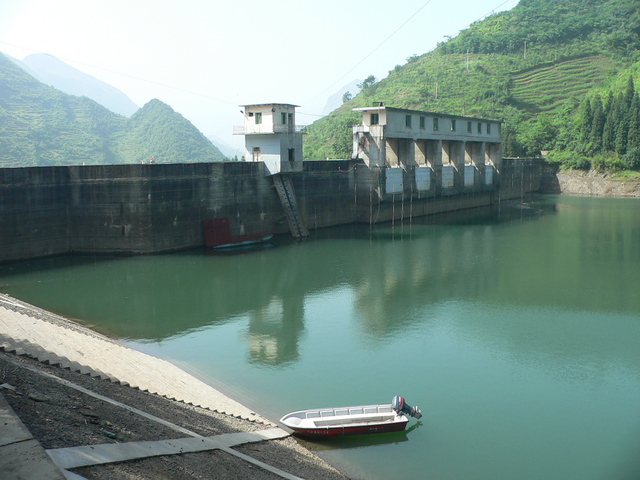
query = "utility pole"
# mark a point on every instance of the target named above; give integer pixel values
(436, 90)
(525, 49)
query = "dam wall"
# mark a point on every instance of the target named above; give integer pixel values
(131, 209)
(519, 176)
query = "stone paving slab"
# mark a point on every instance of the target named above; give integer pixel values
(21, 456)
(74, 457)
(12, 430)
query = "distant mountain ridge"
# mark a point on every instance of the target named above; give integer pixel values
(40, 125)
(56, 73)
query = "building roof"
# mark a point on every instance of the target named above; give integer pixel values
(269, 105)
(423, 112)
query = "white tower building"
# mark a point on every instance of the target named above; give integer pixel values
(271, 136)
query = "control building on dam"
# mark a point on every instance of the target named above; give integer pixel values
(405, 164)
(434, 162)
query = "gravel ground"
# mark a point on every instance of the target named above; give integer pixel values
(59, 416)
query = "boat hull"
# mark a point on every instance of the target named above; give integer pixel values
(243, 243)
(340, 431)
(343, 421)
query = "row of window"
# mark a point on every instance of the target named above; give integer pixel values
(408, 120)
(375, 119)
(258, 117)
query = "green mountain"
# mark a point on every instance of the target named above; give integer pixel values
(40, 125)
(531, 66)
(156, 131)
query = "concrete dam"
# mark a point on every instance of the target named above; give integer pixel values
(405, 163)
(143, 209)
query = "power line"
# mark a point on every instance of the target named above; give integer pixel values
(386, 39)
(492, 11)
(372, 51)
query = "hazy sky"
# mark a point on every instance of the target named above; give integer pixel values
(206, 57)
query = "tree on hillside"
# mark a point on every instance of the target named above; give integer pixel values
(633, 143)
(611, 132)
(597, 126)
(539, 136)
(587, 120)
(629, 93)
(367, 82)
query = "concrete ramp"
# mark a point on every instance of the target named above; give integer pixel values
(54, 340)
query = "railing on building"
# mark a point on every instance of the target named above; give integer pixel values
(267, 128)
(375, 130)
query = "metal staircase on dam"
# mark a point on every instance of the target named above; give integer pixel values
(287, 195)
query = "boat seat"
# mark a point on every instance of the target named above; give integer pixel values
(354, 419)
(295, 421)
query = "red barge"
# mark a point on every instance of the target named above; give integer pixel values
(217, 234)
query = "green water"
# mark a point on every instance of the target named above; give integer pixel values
(517, 333)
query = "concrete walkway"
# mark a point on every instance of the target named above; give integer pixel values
(55, 340)
(74, 457)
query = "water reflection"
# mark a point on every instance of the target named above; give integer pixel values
(359, 441)
(398, 274)
(275, 330)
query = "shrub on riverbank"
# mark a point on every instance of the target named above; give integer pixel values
(602, 162)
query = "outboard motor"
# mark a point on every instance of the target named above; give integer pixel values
(399, 405)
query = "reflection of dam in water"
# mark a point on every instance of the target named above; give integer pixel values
(274, 331)
(393, 273)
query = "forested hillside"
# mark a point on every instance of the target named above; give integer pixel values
(534, 67)
(40, 125)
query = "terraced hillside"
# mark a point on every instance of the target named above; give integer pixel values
(547, 87)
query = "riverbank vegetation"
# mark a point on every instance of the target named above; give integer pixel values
(606, 134)
(561, 74)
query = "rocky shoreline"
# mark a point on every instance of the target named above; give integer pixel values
(588, 183)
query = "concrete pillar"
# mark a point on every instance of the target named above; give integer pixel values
(480, 164)
(406, 152)
(453, 154)
(474, 153)
(493, 154)
(420, 152)
(392, 153)
(445, 153)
